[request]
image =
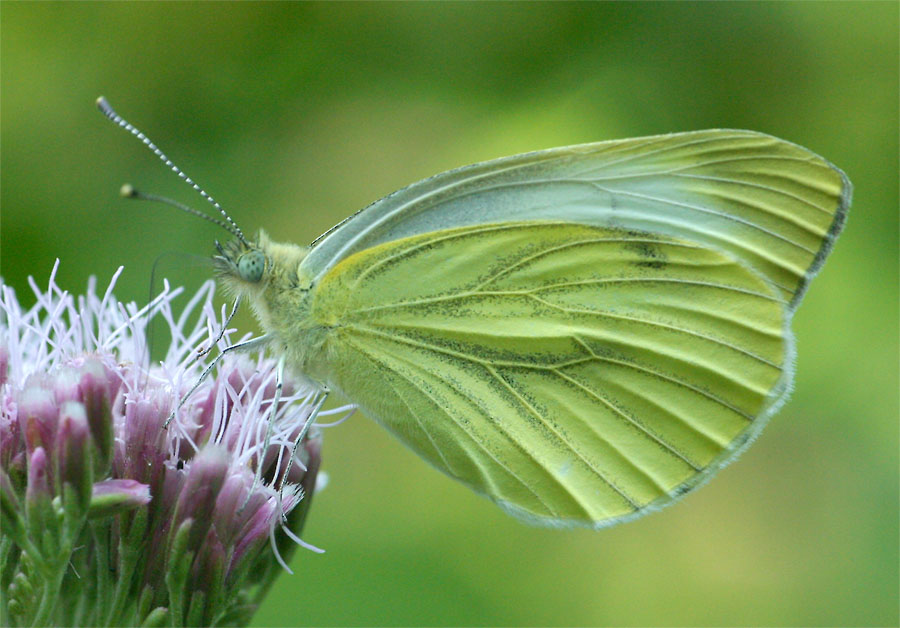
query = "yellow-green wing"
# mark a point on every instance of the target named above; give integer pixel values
(771, 204)
(574, 374)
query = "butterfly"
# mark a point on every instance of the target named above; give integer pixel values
(582, 334)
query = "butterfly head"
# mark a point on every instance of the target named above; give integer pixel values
(261, 270)
(266, 273)
(241, 261)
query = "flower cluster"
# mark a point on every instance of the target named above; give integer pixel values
(109, 515)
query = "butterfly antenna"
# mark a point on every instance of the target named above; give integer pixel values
(110, 113)
(128, 191)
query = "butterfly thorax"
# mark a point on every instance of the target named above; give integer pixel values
(280, 297)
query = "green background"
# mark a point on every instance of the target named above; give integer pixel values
(296, 115)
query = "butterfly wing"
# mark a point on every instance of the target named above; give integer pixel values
(574, 374)
(772, 204)
(585, 333)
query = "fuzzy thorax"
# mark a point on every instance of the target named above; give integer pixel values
(279, 298)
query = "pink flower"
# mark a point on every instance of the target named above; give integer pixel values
(108, 516)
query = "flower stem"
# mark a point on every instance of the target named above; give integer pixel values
(6, 549)
(100, 534)
(49, 595)
(130, 546)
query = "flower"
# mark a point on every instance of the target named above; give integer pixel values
(110, 514)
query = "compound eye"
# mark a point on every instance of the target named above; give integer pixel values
(251, 266)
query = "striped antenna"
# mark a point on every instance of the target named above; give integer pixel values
(128, 191)
(110, 113)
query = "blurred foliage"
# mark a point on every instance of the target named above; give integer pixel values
(296, 115)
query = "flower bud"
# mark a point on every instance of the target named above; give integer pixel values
(38, 508)
(38, 482)
(74, 453)
(198, 495)
(111, 497)
(37, 413)
(12, 456)
(97, 388)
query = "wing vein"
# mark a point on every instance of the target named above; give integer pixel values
(561, 247)
(722, 215)
(543, 367)
(645, 430)
(642, 321)
(759, 186)
(669, 147)
(562, 284)
(449, 415)
(569, 445)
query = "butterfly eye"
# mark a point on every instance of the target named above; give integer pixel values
(251, 266)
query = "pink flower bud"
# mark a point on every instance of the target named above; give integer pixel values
(97, 387)
(73, 456)
(111, 497)
(37, 413)
(38, 481)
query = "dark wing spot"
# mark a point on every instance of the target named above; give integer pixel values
(649, 254)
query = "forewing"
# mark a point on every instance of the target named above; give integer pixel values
(574, 374)
(771, 204)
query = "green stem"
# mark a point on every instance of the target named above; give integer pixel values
(6, 549)
(49, 595)
(130, 547)
(100, 535)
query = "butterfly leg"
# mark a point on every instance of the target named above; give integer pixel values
(234, 309)
(270, 427)
(320, 401)
(250, 345)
